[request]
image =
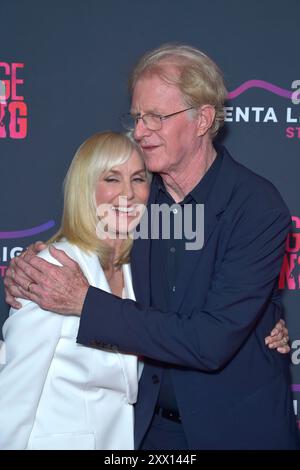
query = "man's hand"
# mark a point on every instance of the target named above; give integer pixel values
(61, 289)
(11, 288)
(279, 338)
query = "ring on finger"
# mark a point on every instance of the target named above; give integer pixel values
(29, 285)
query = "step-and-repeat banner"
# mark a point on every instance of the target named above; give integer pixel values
(63, 76)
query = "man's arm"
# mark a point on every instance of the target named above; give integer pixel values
(278, 338)
(70, 289)
(239, 296)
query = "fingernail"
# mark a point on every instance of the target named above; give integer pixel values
(274, 332)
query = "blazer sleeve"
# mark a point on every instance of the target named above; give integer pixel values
(31, 335)
(208, 337)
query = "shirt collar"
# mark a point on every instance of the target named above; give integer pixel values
(201, 191)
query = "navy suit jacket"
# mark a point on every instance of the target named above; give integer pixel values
(232, 391)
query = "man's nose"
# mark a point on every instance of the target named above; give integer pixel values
(140, 130)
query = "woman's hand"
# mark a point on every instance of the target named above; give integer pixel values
(279, 338)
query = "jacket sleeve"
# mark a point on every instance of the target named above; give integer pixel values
(208, 337)
(31, 335)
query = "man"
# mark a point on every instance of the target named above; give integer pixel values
(201, 315)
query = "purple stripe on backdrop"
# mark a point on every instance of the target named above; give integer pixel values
(260, 84)
(28, 232)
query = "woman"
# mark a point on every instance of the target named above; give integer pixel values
(55, 393)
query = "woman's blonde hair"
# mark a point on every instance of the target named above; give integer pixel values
(197, 76)
(95, 157)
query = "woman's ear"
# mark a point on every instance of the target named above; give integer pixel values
(206, 118)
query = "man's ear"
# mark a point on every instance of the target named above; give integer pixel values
(206, 118)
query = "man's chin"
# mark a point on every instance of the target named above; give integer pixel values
(153, 164)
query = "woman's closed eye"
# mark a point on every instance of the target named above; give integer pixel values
(139, 179)
(111, 179)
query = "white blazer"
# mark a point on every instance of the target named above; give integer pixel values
(56, 393)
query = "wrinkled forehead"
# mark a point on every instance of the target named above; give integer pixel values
(157, 86)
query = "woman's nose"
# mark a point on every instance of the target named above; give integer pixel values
(127, 190)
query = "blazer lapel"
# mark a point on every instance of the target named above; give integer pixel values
(96, 277)
(90, 264)
(131, 368)
(140, 255)
(220, 194)
(213, 210)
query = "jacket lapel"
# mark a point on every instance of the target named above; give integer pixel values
(96, 277)
(90, 264)
(132, 369)
(140, 255)
(220, 194)
(214, 207)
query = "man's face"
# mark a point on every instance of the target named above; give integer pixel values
(169, 149)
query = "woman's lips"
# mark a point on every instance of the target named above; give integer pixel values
(129, 211)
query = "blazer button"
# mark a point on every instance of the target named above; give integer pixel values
(155, 379)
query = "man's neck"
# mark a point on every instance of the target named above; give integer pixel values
(182, 181)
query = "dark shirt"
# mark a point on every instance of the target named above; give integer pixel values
(167, 256)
